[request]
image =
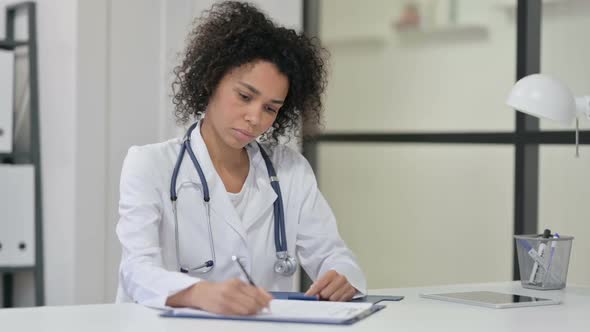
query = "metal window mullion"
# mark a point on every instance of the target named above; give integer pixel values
(526, 168)
(311, 20)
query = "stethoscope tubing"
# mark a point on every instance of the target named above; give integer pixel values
(278, 209)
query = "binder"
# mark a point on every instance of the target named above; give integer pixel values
(17, 215)
(6, 100)
(288, 311)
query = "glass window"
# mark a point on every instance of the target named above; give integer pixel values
(564, 55)
(563, 202)
(450, 70)
(423, 214)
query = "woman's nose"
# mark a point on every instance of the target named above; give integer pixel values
(253, 115)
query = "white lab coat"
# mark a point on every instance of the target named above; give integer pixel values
(148, 272)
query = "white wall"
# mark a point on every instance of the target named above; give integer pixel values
(72, 95)
(105, 70)
(134, 104)
(100, 92)
(91, 137)
(57, 99)
(57, 81)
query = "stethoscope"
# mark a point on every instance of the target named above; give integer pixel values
(285, 264)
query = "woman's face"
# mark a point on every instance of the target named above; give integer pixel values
(246, 103)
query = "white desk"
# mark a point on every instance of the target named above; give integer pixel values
(411, 314)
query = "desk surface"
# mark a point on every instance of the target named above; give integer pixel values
(411, 314)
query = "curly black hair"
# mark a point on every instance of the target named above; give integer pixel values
(232, 34)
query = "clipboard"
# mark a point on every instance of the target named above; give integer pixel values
(361, 311)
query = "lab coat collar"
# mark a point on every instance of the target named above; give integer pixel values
(262, 196)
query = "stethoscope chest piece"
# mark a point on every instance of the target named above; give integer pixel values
(285, 265)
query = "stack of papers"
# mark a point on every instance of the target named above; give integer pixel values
(319, 312)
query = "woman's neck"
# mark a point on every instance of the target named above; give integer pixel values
(223, 156)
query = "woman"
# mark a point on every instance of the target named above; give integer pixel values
(191, 209)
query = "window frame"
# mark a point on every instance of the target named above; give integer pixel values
(525, 138)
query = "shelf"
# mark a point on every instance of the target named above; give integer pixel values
(18, 157)
(354, 40)
(29, 151)
(10, 45)
(11, 269)
(445, 33)
(450, 33)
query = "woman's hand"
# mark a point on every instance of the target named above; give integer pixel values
(231, 297)
(332, 286)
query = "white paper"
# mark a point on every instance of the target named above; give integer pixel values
(6, 97)
(290, 310)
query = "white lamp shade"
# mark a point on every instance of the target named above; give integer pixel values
(544, 97)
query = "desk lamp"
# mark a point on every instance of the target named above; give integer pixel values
(544, 97)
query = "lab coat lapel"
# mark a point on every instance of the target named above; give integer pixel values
(262, 196)
(220, 203)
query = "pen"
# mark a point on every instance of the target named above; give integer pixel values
(302, 297)
(531, 252)
(535, 271)
(536, 275)
(235, 259)
(551, 252)
(293, 296)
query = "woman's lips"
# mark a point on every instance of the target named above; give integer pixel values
(244, 135)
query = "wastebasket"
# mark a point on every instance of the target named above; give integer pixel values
(543, 262)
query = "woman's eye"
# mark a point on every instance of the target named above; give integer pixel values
(244, 97)
(270, 109)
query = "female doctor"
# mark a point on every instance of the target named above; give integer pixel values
(190, 205)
